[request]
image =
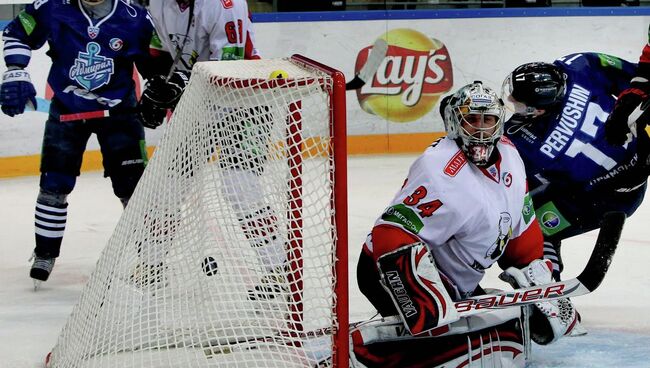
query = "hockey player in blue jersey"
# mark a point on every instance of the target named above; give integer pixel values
(558, 127)
(93, 45)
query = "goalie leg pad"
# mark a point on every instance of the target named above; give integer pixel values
(411, 278)
(498, 346)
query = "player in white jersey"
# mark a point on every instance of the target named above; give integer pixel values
(464, 206)
(202, 30)
(191, 31)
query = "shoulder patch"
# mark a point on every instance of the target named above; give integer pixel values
(455, 164)
(227, 4)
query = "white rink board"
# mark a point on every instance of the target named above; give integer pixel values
(480, 48)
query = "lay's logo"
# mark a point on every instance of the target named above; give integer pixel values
(417, 70)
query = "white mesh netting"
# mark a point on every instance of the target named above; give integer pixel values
(225, 255)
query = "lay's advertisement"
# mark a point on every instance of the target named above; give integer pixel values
(416, 71)
(397, 110)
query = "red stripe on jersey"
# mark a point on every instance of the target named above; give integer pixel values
(645, 55)
(506, 140)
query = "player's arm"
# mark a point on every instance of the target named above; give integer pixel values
(616, 126)
(162, 89)
(250, 51)
(27, 32)
(527, 243)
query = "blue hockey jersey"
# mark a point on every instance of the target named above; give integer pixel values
(568, 147)
(92, 59)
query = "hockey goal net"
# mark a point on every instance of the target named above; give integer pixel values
(232, 250)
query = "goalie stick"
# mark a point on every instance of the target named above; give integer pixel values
(392, 328)
(377, 55)
(588, 280)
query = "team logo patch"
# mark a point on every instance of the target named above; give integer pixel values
(227, 4)
(505, 233)
(455, 164)
(550, 219)
(507, 179)
(93, 32)
(116, 44)
(91, 70)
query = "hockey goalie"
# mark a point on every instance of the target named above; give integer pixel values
(463, 207)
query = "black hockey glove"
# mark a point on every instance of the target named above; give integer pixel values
(616, 126)
(17, 92)
(160, 95)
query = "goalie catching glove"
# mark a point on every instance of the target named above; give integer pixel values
(159, 95)
(17, 91)
(549, 320)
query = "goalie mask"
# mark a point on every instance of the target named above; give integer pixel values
(533, 87)
(474, 117)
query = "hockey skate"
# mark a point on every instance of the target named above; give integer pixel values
(273, 286)
(41, 269)
(146, 275)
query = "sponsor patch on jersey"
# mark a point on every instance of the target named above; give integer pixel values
(27, 21)
(116, 44)
(528, 210)
(550, 219)
(404, 216)
(507, 179)
(455, 164)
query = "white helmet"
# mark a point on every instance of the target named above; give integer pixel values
(474, 117)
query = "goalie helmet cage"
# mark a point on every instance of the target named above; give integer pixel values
(232, 251)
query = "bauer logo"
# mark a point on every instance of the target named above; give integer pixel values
(416, 71)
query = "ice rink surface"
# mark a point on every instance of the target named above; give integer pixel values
(616, 315)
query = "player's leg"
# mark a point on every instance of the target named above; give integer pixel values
(564, 213)
(124, 153)
(491, 339)
(409, 278)
(124, 156)
(244, 139)
(62, 151)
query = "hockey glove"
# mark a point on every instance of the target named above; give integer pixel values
(166, 93)
(151, 115)
(549, 320)
(16, 92)
(616, 126)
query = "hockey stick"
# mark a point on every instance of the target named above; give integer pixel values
(588, 280)
(367, 72)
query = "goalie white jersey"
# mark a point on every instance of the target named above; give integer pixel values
(446, 200)
(219, 30)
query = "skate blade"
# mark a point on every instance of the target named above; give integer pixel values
(37, 284)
